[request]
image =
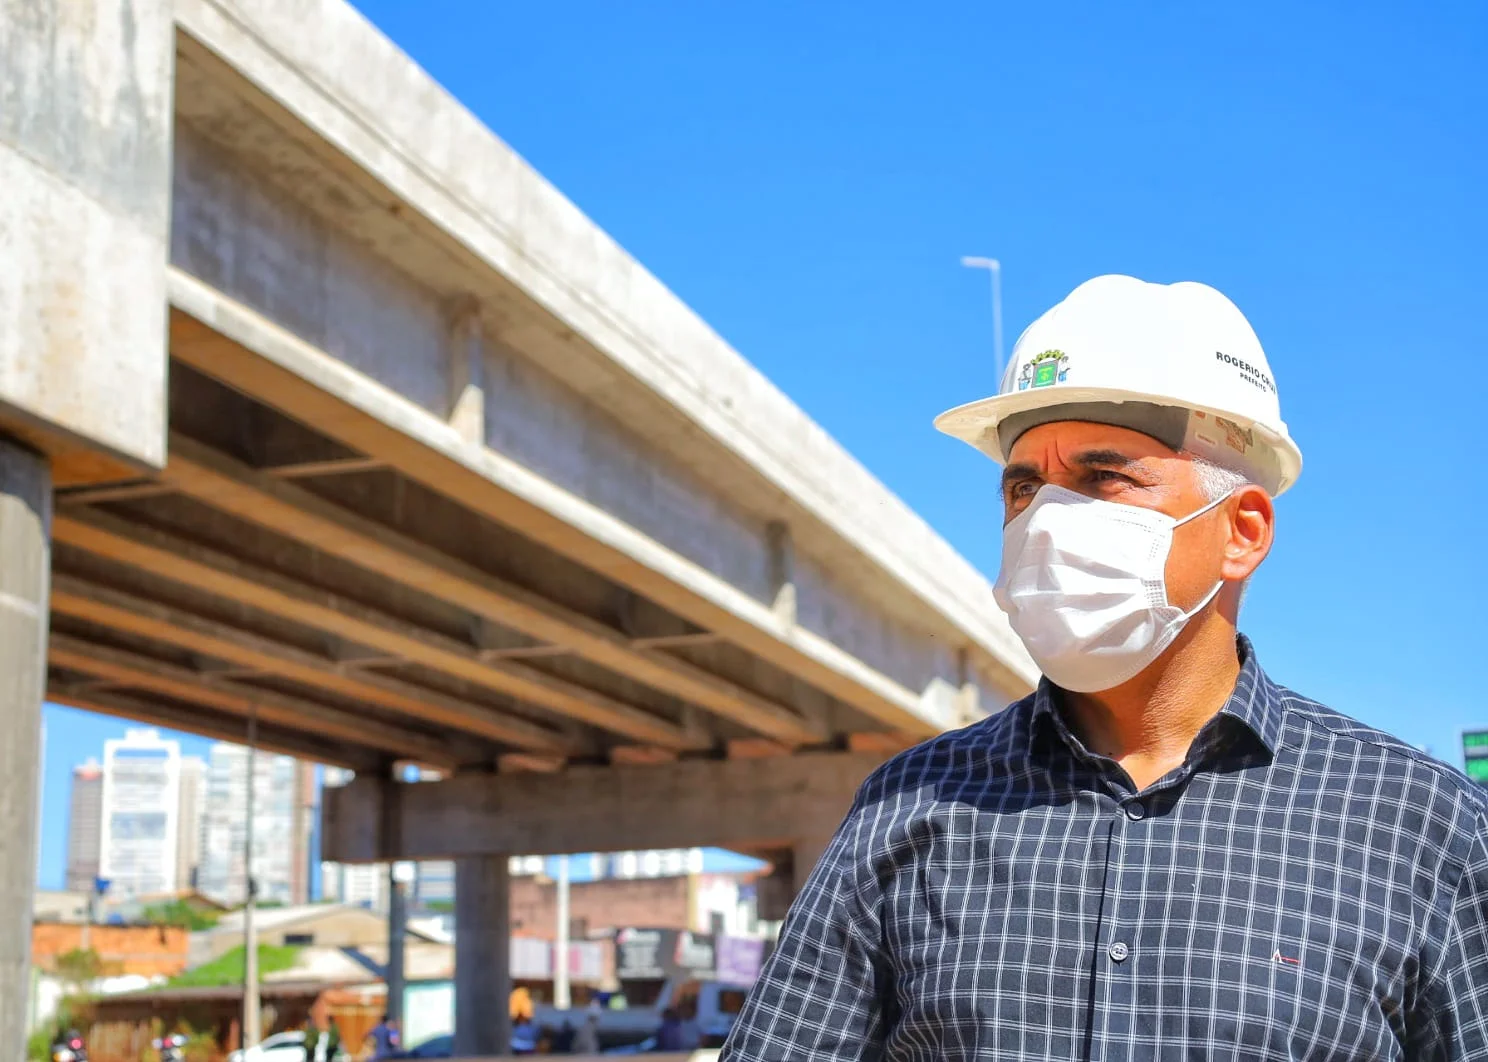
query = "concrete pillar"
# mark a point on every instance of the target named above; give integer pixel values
(397, 937)
(25, 573)
(482, 956)
(804, 856)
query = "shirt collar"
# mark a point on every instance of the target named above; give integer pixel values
(1255, 703)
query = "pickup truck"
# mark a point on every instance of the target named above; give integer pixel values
(707, 1009)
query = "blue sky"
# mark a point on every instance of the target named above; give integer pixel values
(808, 176)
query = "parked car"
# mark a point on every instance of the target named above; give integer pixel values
(707, 1007)
(287, 1046)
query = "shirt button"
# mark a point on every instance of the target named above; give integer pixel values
(1135, 810)
(1119, 951)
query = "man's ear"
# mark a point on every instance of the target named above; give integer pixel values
(1252, 527)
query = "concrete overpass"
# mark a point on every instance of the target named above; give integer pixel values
(319, 406)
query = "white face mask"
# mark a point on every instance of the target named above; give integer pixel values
(1082, 584)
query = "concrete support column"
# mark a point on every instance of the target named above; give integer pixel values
(805, 854)
(482, 956)
(397, 937)
(25, 572)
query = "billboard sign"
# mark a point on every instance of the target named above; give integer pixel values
(1475, 755)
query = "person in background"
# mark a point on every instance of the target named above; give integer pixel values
(563, 1043)
(586, 1040)
(524, 1036)
(384, 1038)
(322, 1045)
(669, 1037)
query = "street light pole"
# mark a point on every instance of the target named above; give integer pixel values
(562, 998)
(994, 267)
(251, 1031)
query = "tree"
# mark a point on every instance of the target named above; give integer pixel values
(180, 913)
(78, 968)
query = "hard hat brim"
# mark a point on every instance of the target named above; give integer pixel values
(975, 423)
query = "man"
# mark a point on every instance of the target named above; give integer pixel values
(322, 1045)
(1160, 853)
(384, 1038)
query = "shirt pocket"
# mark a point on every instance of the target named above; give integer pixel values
(1290, 971)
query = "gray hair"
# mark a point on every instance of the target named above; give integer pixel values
(1216, 481)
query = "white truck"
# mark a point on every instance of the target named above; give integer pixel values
(707, 1010)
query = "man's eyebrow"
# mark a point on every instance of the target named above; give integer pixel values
(1013, 473)
(1103, 459)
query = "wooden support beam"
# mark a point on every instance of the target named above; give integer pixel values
(189, 563)
(689, 803)
(225, 484)
(887, 744)
(292, 713)
(114, 492)
(641, 754)
(339, 466)
(526, 761)
(210, 724)
(756, 749)
(673, 641)
(121, 611)
(524, 652)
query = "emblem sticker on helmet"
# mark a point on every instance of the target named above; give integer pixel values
(1045, 370)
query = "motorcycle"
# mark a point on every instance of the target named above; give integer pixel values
(170, 1048)
(70, 1048)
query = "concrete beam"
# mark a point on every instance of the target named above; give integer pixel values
(362, 105)
(154, 676)
(225, 484)
(191, 564)
(690, 803)
(173, 626)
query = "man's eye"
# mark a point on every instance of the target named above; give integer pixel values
(1105, 475)
(1025, 489)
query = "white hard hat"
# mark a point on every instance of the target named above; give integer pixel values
(1175, 361)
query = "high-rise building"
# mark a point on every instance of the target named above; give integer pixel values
(189, 821)
(434, 884)
(84, 826)
(141, 814)
(276, 846)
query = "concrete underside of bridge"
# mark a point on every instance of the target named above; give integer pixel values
(355, 426)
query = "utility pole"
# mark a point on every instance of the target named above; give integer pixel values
(251, 1031)
(561, 997)
(994, 267)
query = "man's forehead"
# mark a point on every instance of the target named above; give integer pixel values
(1085, 442)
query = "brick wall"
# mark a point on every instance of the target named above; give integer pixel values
(144, 950)
(661, 903)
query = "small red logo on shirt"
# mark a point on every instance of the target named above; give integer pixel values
(1285, 960)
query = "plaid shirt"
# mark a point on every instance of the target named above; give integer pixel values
(1301, 887)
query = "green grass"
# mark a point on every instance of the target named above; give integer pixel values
(180, 913)
(227, 969)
